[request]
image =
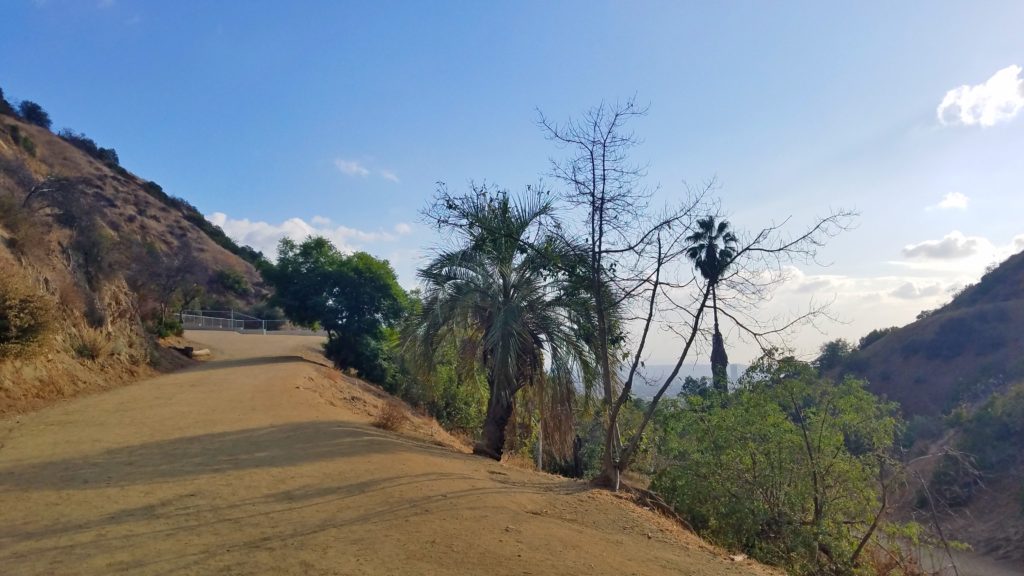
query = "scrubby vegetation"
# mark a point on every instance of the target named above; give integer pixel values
(789, 467)
(27, 316)
(107, 156)
(21, 139)
(33, 113)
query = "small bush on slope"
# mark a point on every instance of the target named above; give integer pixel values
(27, 316)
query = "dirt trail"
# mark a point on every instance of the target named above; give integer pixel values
(262, 462)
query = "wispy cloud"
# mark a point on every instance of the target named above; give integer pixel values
(357, 168)
(952, 245)
(403, 229)
(351, 167)
(916, 290)
(999, 99)
(264, 236)
(952, 201)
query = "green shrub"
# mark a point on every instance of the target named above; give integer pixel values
(167, 327)
(922, 428)
(27, 316)
(783, 468)
(232, 282)
(21, 139)
(34, 114)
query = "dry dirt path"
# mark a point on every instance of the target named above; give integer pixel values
(262, 462)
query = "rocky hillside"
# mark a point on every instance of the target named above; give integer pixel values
(92, 258)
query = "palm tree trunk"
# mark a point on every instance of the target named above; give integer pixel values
(499, 411)
(719, 359)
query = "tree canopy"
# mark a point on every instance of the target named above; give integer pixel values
(356, 298)
(34, 114)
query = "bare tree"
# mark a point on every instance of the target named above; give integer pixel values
(757, 267)
(616, 232)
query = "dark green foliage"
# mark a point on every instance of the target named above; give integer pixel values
(832, 355)
(989, 443)
(33, 113)
(874, 336)
(922, 428)
(5, 106)
(355, 298)
(107, 156)
(785, 468)
(21, 139)
(994, 434)
(232, 282)
(166, 327)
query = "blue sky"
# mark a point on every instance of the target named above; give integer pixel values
(290, 117)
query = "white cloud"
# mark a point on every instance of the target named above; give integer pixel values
(1017, 243)
(952, 245)
(999, 99)
(403, 229)
(351, 167)
(264, 236)
(952, 201)
(914, 290)
(389, 175)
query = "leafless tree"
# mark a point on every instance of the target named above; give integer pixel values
(635, 264)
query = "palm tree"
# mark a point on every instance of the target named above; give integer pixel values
(499, 295)
(712, 247)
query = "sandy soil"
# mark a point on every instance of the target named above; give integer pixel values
(262, 461)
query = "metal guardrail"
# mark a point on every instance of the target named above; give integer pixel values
(237, 322)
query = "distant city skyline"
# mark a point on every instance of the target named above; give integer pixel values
(290, 119)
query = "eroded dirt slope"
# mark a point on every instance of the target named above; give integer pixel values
(262, 462)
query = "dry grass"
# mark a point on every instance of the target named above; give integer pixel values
(92, 344)
(27, 315)
(391, 417)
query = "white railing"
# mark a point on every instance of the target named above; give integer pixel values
(235, 322)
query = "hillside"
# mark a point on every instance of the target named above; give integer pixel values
(959, 353)
(958, 374)
(92, 257)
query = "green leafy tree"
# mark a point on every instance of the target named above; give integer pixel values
(712, 248)
(355, 298)
(791, 468)
(832, 355)
(498, 294)
(34, 114)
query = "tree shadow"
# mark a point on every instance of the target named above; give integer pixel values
(246, 362)
(206, 454)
